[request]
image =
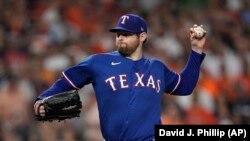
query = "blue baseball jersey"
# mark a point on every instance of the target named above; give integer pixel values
(129, 93)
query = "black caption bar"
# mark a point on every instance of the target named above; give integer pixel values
(163, 132)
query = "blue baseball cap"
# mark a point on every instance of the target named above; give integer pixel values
(130, 23)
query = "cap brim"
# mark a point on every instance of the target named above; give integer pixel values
(116, 29)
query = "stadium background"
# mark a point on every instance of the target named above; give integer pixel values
(38, 39)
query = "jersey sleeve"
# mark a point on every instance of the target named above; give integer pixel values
(81, 74)
(185, 82)
(190, 74)
(172, 80)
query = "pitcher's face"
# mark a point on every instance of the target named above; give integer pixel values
(127, 42)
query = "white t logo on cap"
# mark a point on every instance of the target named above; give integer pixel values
(124, 18)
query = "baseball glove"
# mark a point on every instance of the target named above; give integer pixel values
(61, 106)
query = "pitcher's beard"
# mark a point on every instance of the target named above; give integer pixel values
(125, 50)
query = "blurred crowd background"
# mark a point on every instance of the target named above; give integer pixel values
(41, 38)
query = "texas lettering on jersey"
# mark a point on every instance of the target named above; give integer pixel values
(149, 82)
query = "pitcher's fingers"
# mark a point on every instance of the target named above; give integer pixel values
(41, 110)
(192, 33)
(36, 107)
(42, 115)
(191, 30)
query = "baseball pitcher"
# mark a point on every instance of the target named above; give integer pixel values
(129, 87)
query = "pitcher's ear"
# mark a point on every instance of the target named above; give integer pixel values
(143, 36)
